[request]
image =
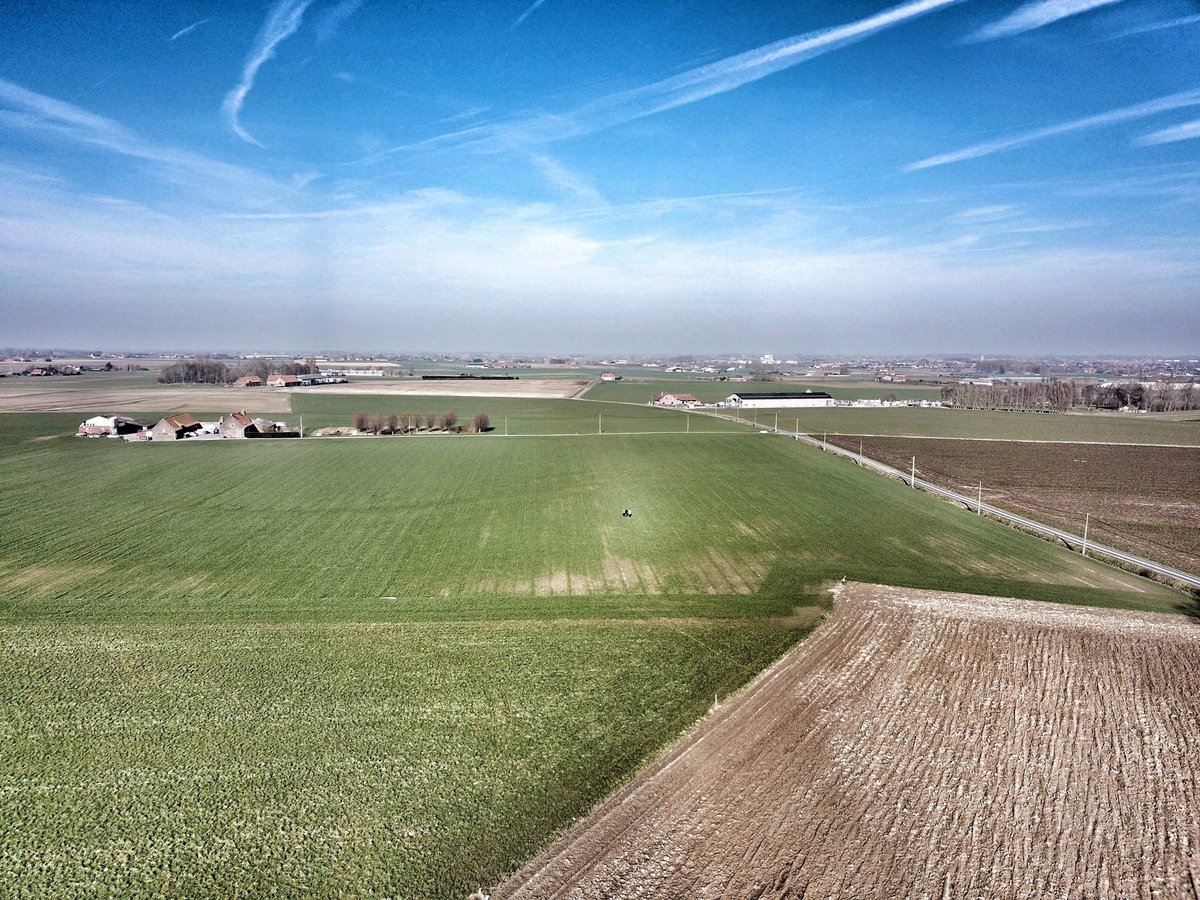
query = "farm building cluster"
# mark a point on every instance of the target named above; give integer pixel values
(184, 425)
(750, 400)
(779, 400)
(248, 381)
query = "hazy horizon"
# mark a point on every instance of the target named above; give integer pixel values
(1017, 177)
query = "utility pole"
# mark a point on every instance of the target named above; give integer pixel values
(776, 420)
(689, 423)
(913, 481)
(506, 426)
(756, 417)
(825, 441)
(860, 453)
(1086, 516)
(979, 502)
(599, 423)
(302, 426)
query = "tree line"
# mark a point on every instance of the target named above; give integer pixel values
(1054, 395)
(203, 370)
(411, 423)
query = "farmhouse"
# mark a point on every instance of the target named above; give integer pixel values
(666, 399)
(176, 427)
(236, 425)
(248, 381)
(283, 381)
(785, 400)
(609, 376)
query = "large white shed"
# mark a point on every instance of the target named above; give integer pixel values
(782, 400)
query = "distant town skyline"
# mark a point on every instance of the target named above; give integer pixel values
(1019, 177)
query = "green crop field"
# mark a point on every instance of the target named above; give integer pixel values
(512, 415)
(397, 666)
(987, 424)
(708, 391)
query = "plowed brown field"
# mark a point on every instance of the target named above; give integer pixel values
(922, 745)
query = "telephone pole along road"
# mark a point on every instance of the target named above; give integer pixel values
(1073, 541)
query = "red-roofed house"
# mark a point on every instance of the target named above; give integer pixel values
(283, 381)
(173, 428)
(248, 381)
(236, 425)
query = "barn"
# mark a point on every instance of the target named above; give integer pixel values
(173, 428)
(248, 381)
(783, 400)
(98, 426)
(283, 381)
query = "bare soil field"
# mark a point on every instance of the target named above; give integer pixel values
(86, 396)
(529, 388)
(1142, 499)
(922, 745)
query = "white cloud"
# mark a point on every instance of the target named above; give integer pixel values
(282, 22)
(1037, 14)
(678, 90)
(1112, 117)
(1187, 131)
(45, 116)
(189, 29)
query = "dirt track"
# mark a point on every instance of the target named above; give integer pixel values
(922, 745)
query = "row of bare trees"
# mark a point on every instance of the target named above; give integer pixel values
(1048, 396)
(1053, 395)
(411, 423)
(203, 370)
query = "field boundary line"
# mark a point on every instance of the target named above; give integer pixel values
(973, 505)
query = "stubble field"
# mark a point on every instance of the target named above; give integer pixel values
(922, 745)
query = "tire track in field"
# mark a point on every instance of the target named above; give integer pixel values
(921, 745)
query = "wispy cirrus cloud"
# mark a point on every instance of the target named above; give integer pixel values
(189, 29)
(1125, 114)
(36, 113)
(282, 22)
(567, 180)
(1034, 15)
(528, 12)
(330, 21)
(1186, 131)
(1156, 26)
(679, 90)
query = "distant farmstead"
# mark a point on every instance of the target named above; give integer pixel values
(173, 428)
(248, 381)
(283, 381)
(666, 399)
(784, 400)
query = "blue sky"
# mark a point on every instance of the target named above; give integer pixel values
(1016, 176)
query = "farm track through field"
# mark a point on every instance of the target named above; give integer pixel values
(922, 745)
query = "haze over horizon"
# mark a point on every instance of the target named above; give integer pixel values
(1012, 177)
